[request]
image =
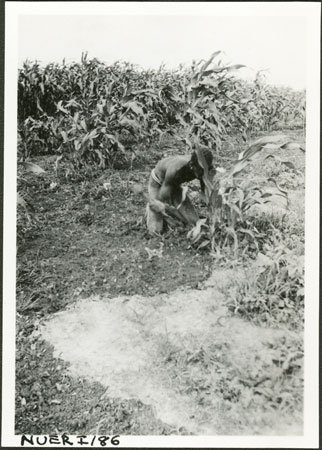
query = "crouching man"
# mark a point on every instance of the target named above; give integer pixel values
(165, 186)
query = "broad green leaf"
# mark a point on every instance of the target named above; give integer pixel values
(130, 122)
(21, 201)
(277, 186)
(136, 108)
(60, 107)
(93, 134)
(64, 135)
(210, 60)
(31, 167)
(184, 195)
(249, 232)
(195, 233)
(73, 102)
(83, 125)
(235, 67)
(206, 178)
(293, 146)
(248, 155)
(203, 244)
(283, 161)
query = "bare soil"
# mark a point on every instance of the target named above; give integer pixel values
(134, 346)
(122, 332)
(89, 240)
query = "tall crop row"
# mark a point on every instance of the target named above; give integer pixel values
(91, 112)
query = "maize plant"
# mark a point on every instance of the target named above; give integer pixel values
(229, 203)
(93, 113)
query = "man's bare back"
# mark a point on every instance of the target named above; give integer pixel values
(165, 186)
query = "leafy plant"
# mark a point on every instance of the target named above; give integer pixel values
(274, 289)
(26, 218)
(95, 114)
(229, 202)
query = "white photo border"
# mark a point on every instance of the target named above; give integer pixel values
(312, 12)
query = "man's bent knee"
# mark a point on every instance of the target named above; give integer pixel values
(154, 221)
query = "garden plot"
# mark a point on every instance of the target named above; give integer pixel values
(181, 353)
(158, 336)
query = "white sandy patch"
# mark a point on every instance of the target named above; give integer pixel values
(122, 343)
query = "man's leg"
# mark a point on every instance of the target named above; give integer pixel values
(154, 220)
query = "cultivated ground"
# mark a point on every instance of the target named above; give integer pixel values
(122, 332)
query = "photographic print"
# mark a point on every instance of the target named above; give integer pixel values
(164, 266)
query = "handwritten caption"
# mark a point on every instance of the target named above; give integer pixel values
(64, 439)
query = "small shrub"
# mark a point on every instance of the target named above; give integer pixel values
(230, 204)
(26, 217)
(273, 291)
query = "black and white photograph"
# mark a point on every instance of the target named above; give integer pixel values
(161, 224)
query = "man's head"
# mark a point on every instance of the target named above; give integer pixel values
(195, 165)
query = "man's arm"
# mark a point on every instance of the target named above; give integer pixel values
(167, 185)
(165, 192)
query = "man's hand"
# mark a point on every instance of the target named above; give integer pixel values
(157, 206)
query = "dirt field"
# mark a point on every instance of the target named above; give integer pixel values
(123, 332)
